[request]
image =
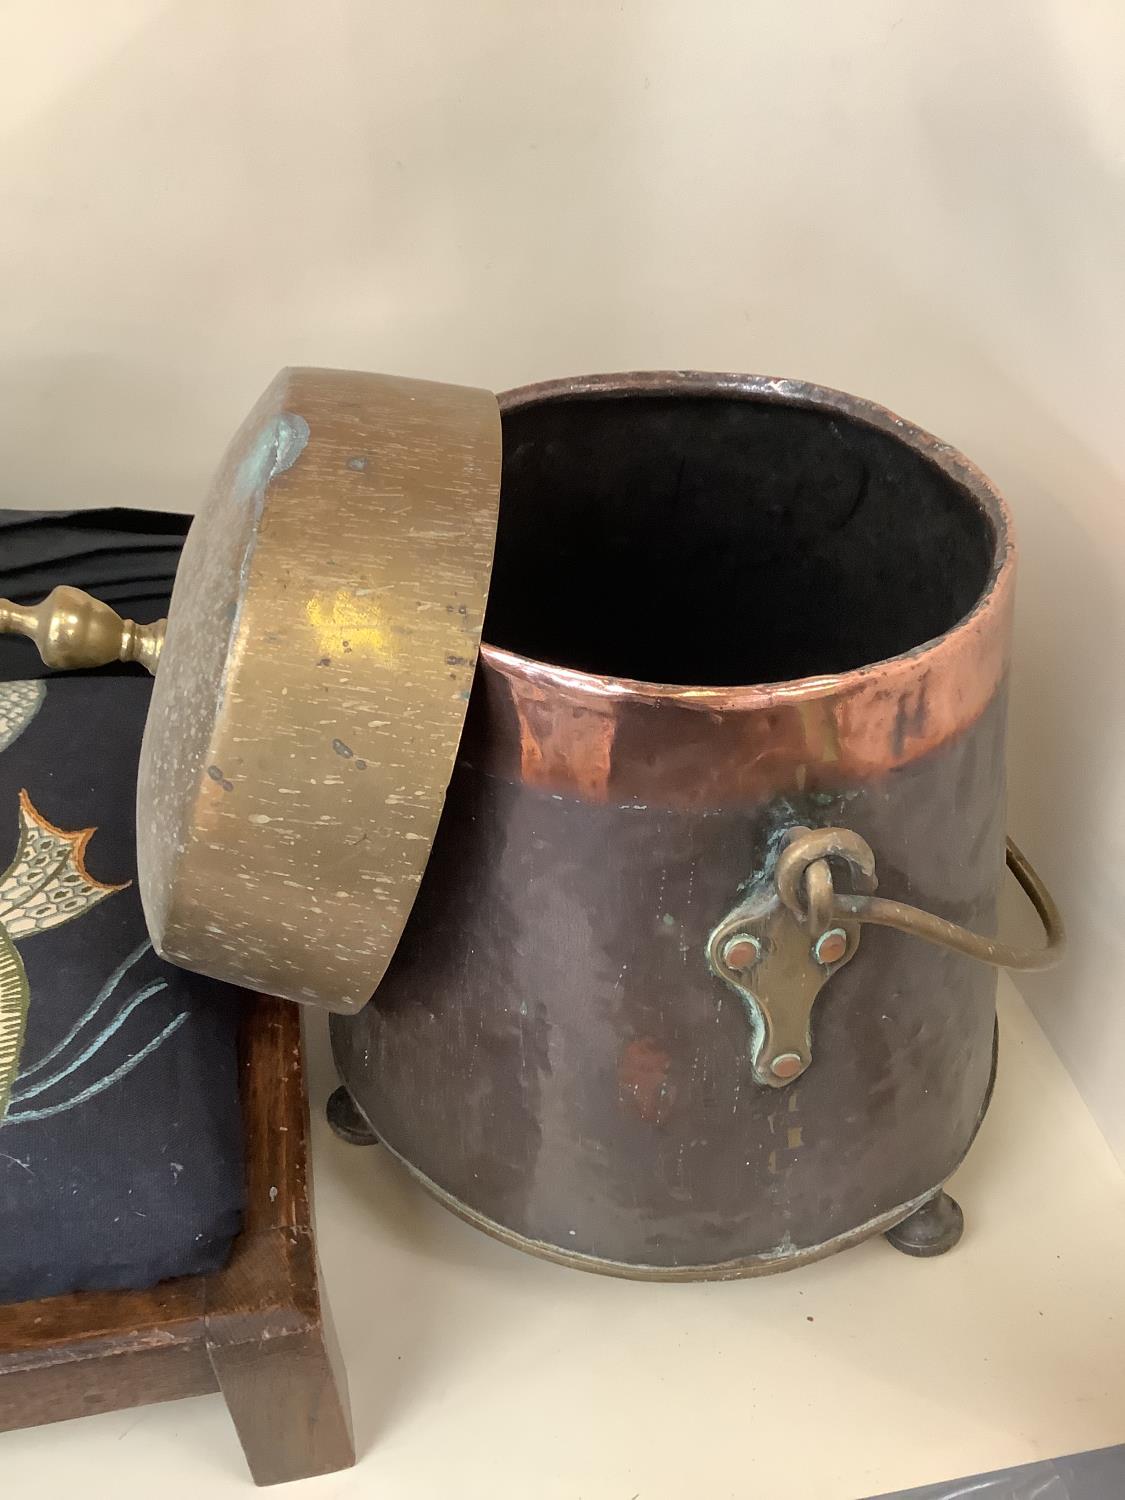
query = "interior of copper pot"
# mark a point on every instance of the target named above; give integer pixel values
(715, 540)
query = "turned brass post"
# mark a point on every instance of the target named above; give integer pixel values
(73, 629)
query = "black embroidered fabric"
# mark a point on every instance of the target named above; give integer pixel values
(121, 1154)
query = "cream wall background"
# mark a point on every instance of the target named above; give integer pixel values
(919, 200)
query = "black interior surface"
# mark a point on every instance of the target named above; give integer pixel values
(717, 541)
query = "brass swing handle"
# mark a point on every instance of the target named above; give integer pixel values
(73, 629)
(804, 884)
(791, 932)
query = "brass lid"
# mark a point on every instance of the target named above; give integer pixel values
(314, 679)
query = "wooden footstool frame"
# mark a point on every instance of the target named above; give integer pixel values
(259, 1330)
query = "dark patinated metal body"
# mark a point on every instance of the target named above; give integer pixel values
(722, 608)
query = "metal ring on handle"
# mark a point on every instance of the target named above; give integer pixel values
(806, 849)
(809, 846)
(820, 896)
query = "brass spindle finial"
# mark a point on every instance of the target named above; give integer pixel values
(73, 629)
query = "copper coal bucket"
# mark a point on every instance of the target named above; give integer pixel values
(698, 979)
(746, 653)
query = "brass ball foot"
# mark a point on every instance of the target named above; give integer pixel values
(930, 1230)
(346, 1121)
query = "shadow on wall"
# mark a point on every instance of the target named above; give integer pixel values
(1045, 247)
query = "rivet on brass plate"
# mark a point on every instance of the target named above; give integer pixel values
(742, 951)
(831, 946)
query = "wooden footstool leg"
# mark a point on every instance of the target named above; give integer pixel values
(286, 1391)
(269, 1333)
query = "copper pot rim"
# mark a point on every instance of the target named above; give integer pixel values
(991, 605)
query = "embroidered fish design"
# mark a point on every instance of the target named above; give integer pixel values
(45, 885)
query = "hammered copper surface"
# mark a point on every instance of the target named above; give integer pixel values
(320, 649)
(550, 1047)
